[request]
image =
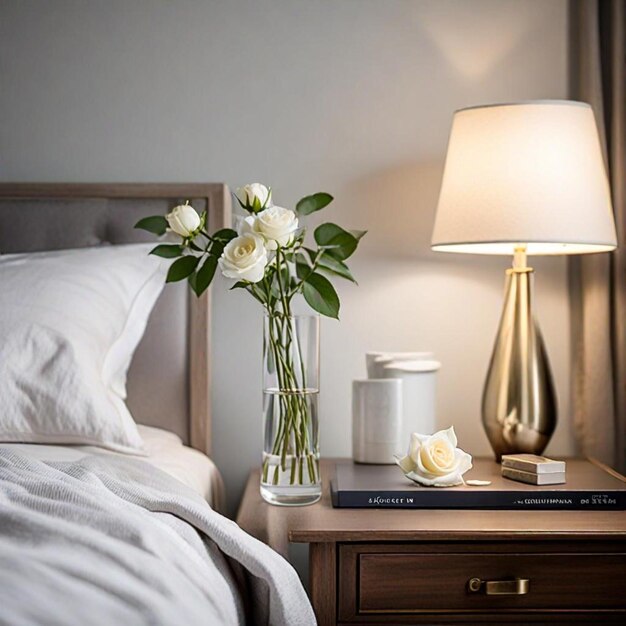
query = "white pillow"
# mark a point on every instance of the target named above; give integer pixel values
(69, 324)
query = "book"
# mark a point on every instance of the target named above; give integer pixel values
(533, 463)
(551, 478)
(589, 487)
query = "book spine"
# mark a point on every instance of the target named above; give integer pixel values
(561, 500)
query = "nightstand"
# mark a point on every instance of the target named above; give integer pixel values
(375, 566)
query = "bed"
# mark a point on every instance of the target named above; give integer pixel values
(92, 535)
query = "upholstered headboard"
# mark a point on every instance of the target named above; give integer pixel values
(168, 383)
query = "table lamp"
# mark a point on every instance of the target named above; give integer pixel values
(522, 179)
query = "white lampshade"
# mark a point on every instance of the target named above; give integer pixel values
(527, 174)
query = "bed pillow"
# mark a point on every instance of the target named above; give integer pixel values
(69, 324)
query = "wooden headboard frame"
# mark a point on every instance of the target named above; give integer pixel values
(217, 197)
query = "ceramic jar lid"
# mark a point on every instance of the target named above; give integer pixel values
(411, 367)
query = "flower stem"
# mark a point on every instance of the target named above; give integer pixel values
(291, 441)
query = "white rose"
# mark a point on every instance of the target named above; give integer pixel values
(184, 220)
(434, 460)
(276, 225)
(254, 197)
(244, 258)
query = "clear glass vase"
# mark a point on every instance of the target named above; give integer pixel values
(290, 473)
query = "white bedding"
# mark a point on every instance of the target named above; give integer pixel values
(111, 540)
(165, 451)
(70, 321)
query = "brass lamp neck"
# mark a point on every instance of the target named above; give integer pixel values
(519, 261)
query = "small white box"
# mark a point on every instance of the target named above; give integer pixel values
(552, 478)
(533, 463)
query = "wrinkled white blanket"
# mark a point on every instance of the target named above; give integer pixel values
(108, 541)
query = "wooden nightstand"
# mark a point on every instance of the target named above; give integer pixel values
(373, 566)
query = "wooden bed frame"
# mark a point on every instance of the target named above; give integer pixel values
(21, 207)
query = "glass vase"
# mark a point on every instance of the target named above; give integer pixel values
(290, 473)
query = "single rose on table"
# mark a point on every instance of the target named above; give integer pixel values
(435, 460)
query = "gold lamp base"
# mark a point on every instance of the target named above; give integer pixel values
(519, 408)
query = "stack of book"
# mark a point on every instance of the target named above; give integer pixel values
(533, 469)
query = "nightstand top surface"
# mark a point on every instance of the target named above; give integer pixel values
(321, 522)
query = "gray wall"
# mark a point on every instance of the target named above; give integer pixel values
(354, 97)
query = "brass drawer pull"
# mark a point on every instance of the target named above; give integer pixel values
(515, 587)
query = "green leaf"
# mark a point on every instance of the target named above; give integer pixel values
(312, 254)
(241, 284)
(313, 203)
(156, 224)
(358, 234)
(167, 251)
(181, 268)
(205, 275)
(321, 295)
(325, 233)
(303, 269)
(221, 239)
(329, 264)
(340, 243)
(225, 234)
(217, 247)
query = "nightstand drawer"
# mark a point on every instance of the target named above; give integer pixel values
(478, 578)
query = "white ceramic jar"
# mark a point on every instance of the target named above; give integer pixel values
(418, 381)
(376, 361)
(377, 418)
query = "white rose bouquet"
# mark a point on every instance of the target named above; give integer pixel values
(268, 258)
